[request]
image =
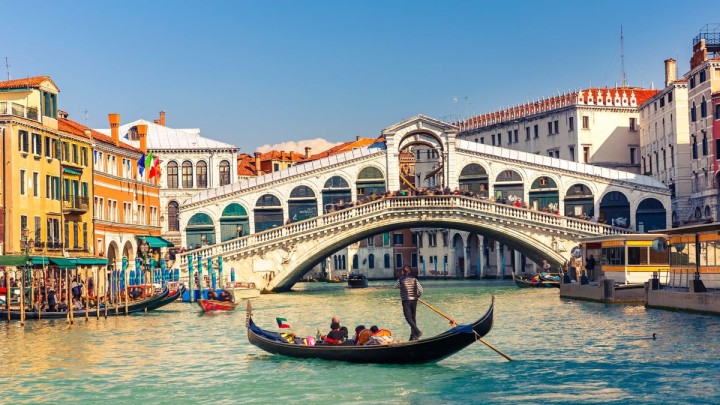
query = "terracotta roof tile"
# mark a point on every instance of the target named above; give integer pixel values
(75, 128)
(27, 82)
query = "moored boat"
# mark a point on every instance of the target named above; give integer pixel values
(356, 280)
(418, 351)
(537, 281)
(215, 305)
(241, 290)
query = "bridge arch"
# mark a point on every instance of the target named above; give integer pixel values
(650, 215)
(336, 191)
(370, 180)
(615, 209)
(579, 199)
(234, 222)
(509, 183)
(474, 178)
(200, 230)
(302, 203)
(268, 212)
(544, 192)
(423, 137)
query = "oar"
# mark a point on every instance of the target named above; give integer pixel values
(454, 324)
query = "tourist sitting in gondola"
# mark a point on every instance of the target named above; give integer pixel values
(225, 296)
(212, 295)
(336, 335)
(379, 336)
(362, 334)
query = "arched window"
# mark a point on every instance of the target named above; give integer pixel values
(201, 173)
(172, 175)
(703, 108)
(224, 173)
(371, 261)
(386, 261)
(187, 174)
(173, 211)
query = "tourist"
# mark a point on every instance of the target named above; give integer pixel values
(212, 295)
(379, 336)
(335, 336)
(410, 292)
(590, 267)
(362, 335)
(575, 264)
(225, 296)
(52, 300)
(546, 266)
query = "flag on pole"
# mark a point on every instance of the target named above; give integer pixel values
(155, 169)
(149, 159)
(282, 323)
(141, 165)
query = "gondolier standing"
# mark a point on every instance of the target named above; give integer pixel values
(410, 291)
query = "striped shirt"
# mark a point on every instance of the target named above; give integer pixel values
(410, 288)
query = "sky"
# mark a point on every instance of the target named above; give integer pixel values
(274, 74)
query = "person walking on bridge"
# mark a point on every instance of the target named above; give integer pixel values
(410, 292)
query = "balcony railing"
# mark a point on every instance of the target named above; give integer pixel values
(19, 110)
(73, 203)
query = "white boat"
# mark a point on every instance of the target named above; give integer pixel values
(241, 290)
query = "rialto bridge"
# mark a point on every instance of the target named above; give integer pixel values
(272, 229)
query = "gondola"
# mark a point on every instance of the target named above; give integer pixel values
(357, 281)
(524, 282)
(412, 352)
(172, 296)
(215, 305)
(136, 306)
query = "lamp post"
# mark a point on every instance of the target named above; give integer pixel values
(27, 245)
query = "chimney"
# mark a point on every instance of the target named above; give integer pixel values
(162, 118)
(282, 155)
(357, 138)
(291, 155)
(114, 128)
(257, 163)
(308, 152)
(670, 71)
(142, 134)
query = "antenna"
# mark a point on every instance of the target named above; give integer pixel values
(86, 116)
(7, 67)
(622, 56)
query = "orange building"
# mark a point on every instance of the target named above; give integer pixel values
(125, 205)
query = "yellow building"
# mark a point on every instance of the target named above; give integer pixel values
(47, 178)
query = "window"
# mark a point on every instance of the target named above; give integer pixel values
(650, 164)
(85, 238)
(371, 261)
(74, 153)
(509, 137)
(36, 184)
(386, 261)
(515, 133)
(482, 140)
(172, 175)
(66, 151)
(694, 147)
(536, 133)
(23, 143)
(704, 144)
(571, 123)
(201, 174)
(633, 151)
(66, 241)
(22, 182)
(571, 152)
(36, 144)
(586, 122)
(371, 241)
(23, 222)
(556, 126)
(493, 140)
(670, 97)
(173, 216)
(586, 154)
(527, 133)
(550, 128)
(76, 235)
(633, 124)
(84, 156)
(702, 75)
(432, 239)
(187, 174)
(224, 173)
(499, 140)
(692, 81)
(703, 108)
(662, 101)
(398, 260)
(664, 160)
(48, 152)
(141, 215)
(38, 230)
(717, 111)
(397, 239)
(693, 113)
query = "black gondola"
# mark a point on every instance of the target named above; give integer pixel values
(137, 306)
(412, 352)
(172, 296)
(524, 282)
(356, 280)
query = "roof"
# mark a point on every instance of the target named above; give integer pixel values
(160, 137)
(246, 165)
(282, 155)
(75, 128)
(345, 147)
(30, 82)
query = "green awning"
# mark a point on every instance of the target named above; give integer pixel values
(63, 263)
(39, 261)
(13, 260)
(89, 261)
(156, 241)
(68, 170)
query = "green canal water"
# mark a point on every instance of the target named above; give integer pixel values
(564, 352)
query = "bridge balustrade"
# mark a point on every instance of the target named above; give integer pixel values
(423, 204)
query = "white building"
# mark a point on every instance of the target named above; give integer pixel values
(665, 142)
(189, 163)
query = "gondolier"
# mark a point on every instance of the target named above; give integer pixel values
(410, 291)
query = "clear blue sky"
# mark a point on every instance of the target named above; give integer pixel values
(265, 72)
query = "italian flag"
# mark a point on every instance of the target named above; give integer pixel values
(282, 323)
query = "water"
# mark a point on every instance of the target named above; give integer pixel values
(563, 351)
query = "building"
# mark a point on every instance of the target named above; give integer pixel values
(47, 178)
(126, 205)
(665, 148)
(189, 163)
(703, 86)
(596, 125)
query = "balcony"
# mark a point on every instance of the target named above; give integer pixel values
(75, 204)
(19, 110)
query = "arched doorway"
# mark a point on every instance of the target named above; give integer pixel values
(421, 155)
(200, 231)
(370, 181)
(302, 204)
(474, 179)
(615, 209)
(509, 186)
(650, 215)
(459, 256)
(234, 222)
(579, 200)
(335, 192)
(544, 194)
(268, 213)
(112, 255)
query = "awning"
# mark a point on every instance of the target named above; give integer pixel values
(89, 261)
(68, 170)
(13, 260)
(63, 263)
(39, 261)
(156, 241)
